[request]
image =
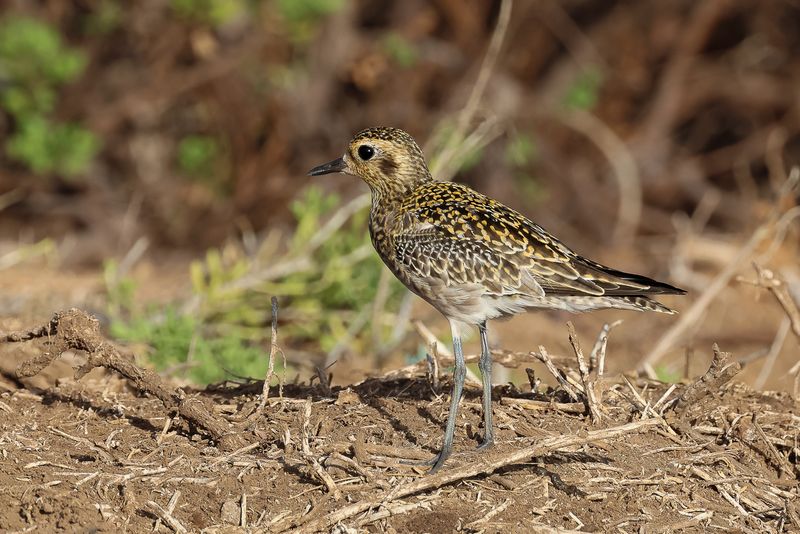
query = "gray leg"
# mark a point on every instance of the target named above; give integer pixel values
(459, 373)
(485, 366)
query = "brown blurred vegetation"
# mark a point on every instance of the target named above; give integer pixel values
(614, 122)
(703, 95)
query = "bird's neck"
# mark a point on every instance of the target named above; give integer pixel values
(383, 215)
(392, 192)
(384, 206)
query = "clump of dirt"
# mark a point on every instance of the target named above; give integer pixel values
(102, 454)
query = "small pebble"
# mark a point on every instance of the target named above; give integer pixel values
(230, 512)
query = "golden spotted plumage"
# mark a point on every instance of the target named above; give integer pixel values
(438, 237)
(470, 256)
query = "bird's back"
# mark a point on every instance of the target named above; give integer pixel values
(474, 258)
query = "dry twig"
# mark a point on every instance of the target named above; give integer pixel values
(720, 372)
(166, 517)
(597, 359)
(780, 462)
(772, 353)
(591, 396)
(396, 509)
(531, 404)
(444, 165)
(571, 390)
(779, 289)
(274, 350)
(76, 330)
(432, 357)
(102, 451)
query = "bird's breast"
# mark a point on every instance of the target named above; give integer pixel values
(381, 234)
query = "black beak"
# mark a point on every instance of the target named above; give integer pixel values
(337, 165)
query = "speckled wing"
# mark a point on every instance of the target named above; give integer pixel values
(449, 232)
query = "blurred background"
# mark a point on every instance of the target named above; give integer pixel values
(153, 160)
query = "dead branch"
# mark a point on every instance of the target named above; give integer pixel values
(775, 457)
(532, 404)
(274, 350)
(544, 357)
(777, 286)
(166, 517)
(75, 330)
(720, 372)
(482, 465)
(173, 502)
(592, 397)
(432, 357)
(597, 359)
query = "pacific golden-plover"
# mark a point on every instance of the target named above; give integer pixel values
(471, 257)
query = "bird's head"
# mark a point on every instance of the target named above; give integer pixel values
(387, 159)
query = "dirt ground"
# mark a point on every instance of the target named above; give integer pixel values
(96, 455)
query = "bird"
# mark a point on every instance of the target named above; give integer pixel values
(473, 258)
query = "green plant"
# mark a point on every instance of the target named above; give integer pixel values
(198, 155)
(520, 150)
(327, 287)
(667, 374)
(326, 284)
(106, 16)
(584, 91)
(35, 64)
(302, 16)
(212, 12)
(400, 49)
(179, 342)
(520, 154)
(120, 291)
(47, 146)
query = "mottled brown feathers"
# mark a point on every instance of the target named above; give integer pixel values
(472, 257)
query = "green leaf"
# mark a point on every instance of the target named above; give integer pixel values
(31, 52)
(584, 91)
(400, 49)
(302, 16)
(197, 155)
(520, 150)
(46, 147)
(212, 12)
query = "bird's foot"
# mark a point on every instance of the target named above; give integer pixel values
(436, 462)
(487, 443)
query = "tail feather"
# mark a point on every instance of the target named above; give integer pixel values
(647, 304)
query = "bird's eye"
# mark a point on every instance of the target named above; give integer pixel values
(365, 152)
